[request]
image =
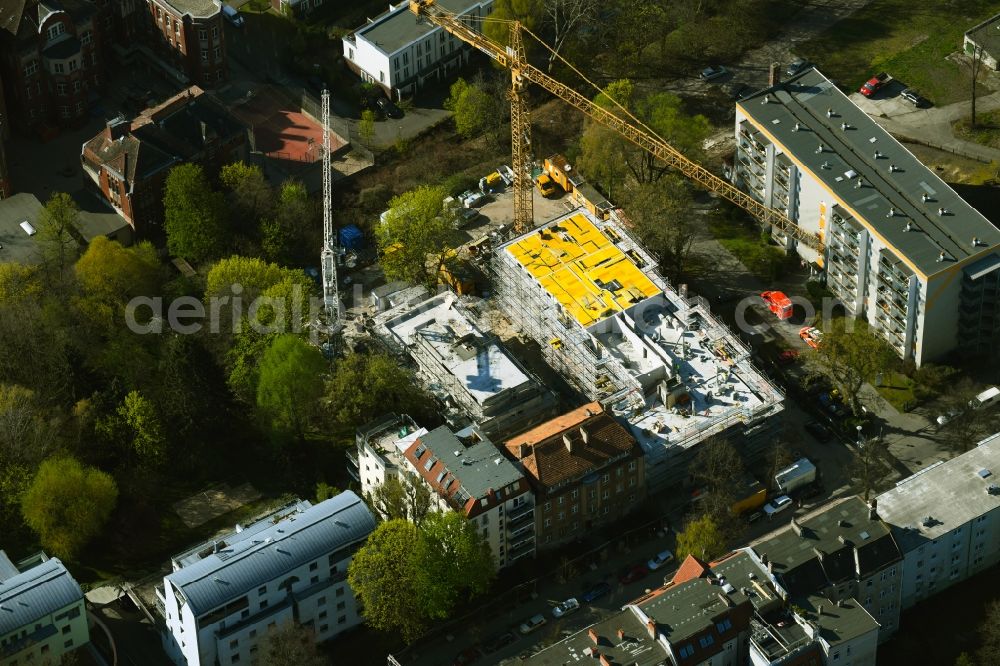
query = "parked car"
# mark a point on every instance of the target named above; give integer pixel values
(468, 656)
(874, 84)
(796, 66)
(755, 516)
(632, 574)
(712, 72)
(233, 16)
(811, 335)
(658, 560)
(818, 431)
(532, 623)
(778, 303)
(571, 605)
(468, 217)
(777, 505)
(595, 592)
(913, 97)
(388, 108)
(498, 642)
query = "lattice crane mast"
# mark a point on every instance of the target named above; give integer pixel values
(621, 120)
(328, 255)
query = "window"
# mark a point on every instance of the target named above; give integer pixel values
(73, 65)
(314, 580)
(64, 112)
(263, 603)
(724, 626)
(45, 649)
(246, 611)
(606, 478)
(68, 644)
(323, 627)
(217, 53)
(235, 659)
(262, 589)
(342, 619)
(548, 521)
(313, 566)
(631, 466)
(215, 32)
(341, 605)
(233, 644)
(340, 591)
(322, 616)
(381, 77)
(574, 509)
(562, 500)
(686, 651)
(575, 494)
(66, 629)
(31, 68)
(76, 86)
(350, 53)
(618, 472)
(204, 55)
(253, 633)
(705, 641)
(58, 67)
(605, 494)
(56, 30)
(61, 89)
(93, 59)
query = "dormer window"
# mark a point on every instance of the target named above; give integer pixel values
(56, 30)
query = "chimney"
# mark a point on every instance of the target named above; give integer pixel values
(819, 609)
(819, 553)
(774, 75)
(584, 435)
(651, 628)
(873, 509)
(593, 636)
(621, 635)
(796, 527)
(523, 451)
(117, 128)
(770, 567)
(568, 442)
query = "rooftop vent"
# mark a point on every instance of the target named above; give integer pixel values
(909, 227)
(766, 100)
(993, 489)
(984, 473)
(940, 258)
(28, 228)
(891, 213)
(844, 127)
(796, 128)
(928, 521)
(877, 155)
(829, 113)
(819, 149)
(924, 197)
(892, 168)
(942, 212)
(975, 241)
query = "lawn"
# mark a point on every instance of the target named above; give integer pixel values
(765, 260)
(910, 40)
(986, 132)
(897, 389)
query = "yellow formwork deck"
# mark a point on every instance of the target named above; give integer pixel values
(586, 273)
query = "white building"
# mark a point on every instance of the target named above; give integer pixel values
(380, 448)
(592, 299)
(462, 365)
(468, 474)
(223, 596)
(42, 613)
(400, 51)
(903, 250)
(946, 519)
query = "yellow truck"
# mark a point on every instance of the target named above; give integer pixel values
(545, 184)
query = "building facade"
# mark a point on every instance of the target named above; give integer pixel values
(400, 52)
(468, 474)
(223, 596)
(43, 615)
(586, 470)
(53, 63)
(380, 450)
(983, 41)
(946, 519)
(902, 249)
(189, 35)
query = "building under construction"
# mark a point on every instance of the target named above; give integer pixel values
(593, 300)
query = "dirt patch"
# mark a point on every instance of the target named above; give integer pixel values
(214, 502)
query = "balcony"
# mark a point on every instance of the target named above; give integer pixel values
(515, 515)
(525, 543)
(352, 464)
(518, 531)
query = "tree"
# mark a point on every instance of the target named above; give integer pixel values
(363, 384)
(296, 218)
(469, 106)
(989, 635)
(661, 214)
(290, 644)
(964, 660)
(455, 562)
(965, 425)
(67, 504)
(290, 384)
(851, 354)
(233, 284)
(527, 12)
(702, 538)
(976, 66)
(243, 360)
(113, 274)
(58, 233)
(28, 432)
(870, 464)
(413, 239)
(251, 197)
(366, 127)
(383, 574)
(566, 18)
(194, 214)
(145, 429)
(401, 498)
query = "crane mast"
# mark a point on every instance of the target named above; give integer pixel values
(328, 255)
(629, 127)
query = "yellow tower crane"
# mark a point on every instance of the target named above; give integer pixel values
(622, 121)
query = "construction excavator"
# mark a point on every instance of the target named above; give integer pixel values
(522, 73)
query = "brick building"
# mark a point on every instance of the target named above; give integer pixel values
(128, 162)
(52, 61)
(189, 36)
(586, 470)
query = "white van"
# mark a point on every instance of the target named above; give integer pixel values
(987, 398)
(232, 16)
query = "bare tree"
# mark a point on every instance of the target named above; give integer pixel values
(566, 17)
(965, 425)
(977, 64)
(870, 465)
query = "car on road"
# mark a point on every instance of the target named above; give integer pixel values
(632, 574)
(913, 97)
(818, 431)
(796, 66)
(571, 605)
(777, 505)
(658, 560)
(811, 335)
(498, 642)
(755, 516)
(832, 403)
(788, 356)
(595, 592)
(712, 72)
(390, 110)
(532, 623)
(778, 303)
(467, 656)
(874, 84)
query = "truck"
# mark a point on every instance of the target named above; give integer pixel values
(545, 184)
(800, 474)
(874, 84)
(778, 303)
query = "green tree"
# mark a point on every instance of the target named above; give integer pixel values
(366, 127)
(455, 562)
(59, 233)
(139, 415)
(325, 491)
(67, 504)
(384, 574)
(290, 644)
(250, 195)
(113, 274)
(851, 354)
(243, 360)
(195, 214)
(290, 384)
(702, 538)
(964, 660)
(415, 235)
(284, 237)
(661, 214)
(470, 107)
(286, 290)
(401, 497)
(363, 384)
(528, 12)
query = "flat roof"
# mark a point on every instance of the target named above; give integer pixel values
(398, 26)
(987, 35)
(635, 649)
(582, 269)
(839, 622)
(943, 496)
(15, 243)
(850, 138)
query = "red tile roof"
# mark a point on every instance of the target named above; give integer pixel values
(690, 568)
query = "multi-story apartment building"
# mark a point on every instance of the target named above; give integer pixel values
(380, 448)
(189, 35)
(42, 614)
(224, 595)
(591, 298)
(128, 162)
(399, 51)
(464, 367)
(52, 62)
(946, 519)
(586, 470)
(468, 474)
(902, 249)
(842, 551)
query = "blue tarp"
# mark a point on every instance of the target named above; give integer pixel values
(351, 237)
